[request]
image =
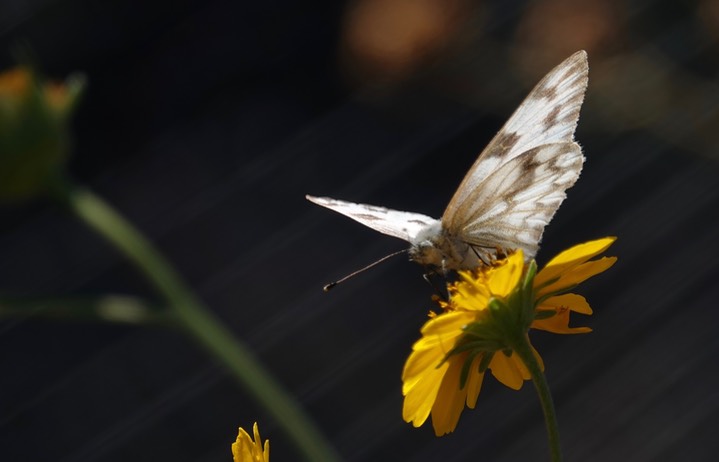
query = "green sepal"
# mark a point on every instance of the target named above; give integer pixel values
(548, 283)
(496, 305)
(528, 281)
(544, 314)
(484, 362)
(561, 291)
(526, 292)
(501, 313)
(480, 346)
(464, 373)
(482, 330)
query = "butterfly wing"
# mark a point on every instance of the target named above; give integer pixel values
(485, 207)
(513, 205)
(404, 225)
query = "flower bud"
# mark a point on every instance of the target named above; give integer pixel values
(34, 135)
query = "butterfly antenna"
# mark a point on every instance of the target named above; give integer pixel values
(329, 286)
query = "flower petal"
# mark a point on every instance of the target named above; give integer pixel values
(570, 258)
(503, 279)
(417, 365)
(443, 329)
(577, 275)
(519, 364)
(470, 293)
(418, 401)
(559, 324)
(474, 382)
(246, 450)
(573, 302)
(505, 370)
(449, 404)
(426, 368)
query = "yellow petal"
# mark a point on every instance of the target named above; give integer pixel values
(450, 399)
(239, 449)
(519, 364)
(443, 328)
(419, 364)
(470, 293)
(504, 278)
(419, 400)
(578, 274)
(474, 382)
(505, 370)
(559, 324)
(570, 258)
(573, 302)
(246, 450)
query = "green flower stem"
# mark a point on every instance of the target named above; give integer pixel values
(523, 348)
(199, 322)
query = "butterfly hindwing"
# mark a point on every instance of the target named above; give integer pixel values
(511, 207)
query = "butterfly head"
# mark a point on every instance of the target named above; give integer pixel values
(426, 254)
(435, 247)
(424, 249)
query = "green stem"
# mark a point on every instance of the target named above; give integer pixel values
(523, 348)
(199, 322)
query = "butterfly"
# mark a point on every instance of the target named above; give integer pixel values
(512, 190)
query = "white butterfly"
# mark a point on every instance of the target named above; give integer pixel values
(511, 192)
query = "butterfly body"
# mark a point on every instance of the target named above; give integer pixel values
(510, 193)
(446, 252)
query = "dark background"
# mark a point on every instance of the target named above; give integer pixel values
(206, 123)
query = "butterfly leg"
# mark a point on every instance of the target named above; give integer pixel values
(500, 253)
(439, 290)
(480, 257)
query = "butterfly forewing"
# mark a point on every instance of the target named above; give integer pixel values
(549, 114)
(509, 195)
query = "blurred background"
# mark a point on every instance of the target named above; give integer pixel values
(206, 123)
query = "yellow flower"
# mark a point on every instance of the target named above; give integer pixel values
(486, 307)
(246, 450)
